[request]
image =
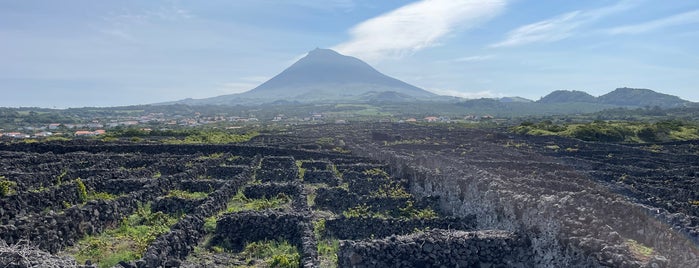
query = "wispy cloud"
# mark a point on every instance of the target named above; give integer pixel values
(121, 25)
(242, 85)
(346, 5)
(466, 95)
(475, 58)
(562, 26)
(675, 20)
(415, 26)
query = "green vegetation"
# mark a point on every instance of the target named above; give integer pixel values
(409, 211)
(211, 156)
(210, 224)
(302, 171)
(273, 254)
(126, 242)
(212, 137)
(376, 172)
(392, 190)
(603, 131)
(327, 248)
(241, 203)
(59, 178)
(82, 190)
(187, 195)
(361, 210)
(6, 187)
(327, 252)
(639, 250)
(100, 196)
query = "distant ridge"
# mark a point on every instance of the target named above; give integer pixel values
(560, 96)
(625, 97)
(324, 75)
(641, 97)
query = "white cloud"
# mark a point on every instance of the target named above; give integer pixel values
(242, 85)
(122, 25)
(678, 19)
(475, 58)
(466, 95)
(415, 26)
(346, 5)
(560, 27)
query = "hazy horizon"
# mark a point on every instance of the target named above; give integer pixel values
(80, 53)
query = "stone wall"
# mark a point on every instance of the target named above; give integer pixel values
(171, 248)
(338, 200)
(365, 227)
(270, 190)
(438, 248)
(235, 230)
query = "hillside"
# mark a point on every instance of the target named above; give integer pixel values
(641, 97)
(561, 96)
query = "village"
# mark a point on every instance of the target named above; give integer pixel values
(100, 126)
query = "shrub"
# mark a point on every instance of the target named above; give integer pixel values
(82, 190)
(6, 187)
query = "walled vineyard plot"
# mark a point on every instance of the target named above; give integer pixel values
(579, 204)
(144, 205)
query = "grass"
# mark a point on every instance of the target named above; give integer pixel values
(187, 195)
(407, 212)
(302, 171)
(82, 190)
(211, 156)
(327, 252)
(639, 250)
(126, 242)
(273, 253)
(7, 187)
(241, 203)
(391, 190)
(615, 131)
(212, 137)
(100, 196)
(376, 172)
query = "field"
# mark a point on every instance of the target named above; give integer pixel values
(373, 195)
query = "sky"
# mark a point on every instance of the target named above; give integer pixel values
(77, 53)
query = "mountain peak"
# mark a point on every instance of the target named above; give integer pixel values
(323, 51)
(324, 75)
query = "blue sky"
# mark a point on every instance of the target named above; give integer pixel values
(76, 53)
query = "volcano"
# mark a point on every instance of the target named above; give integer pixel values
(324, 75)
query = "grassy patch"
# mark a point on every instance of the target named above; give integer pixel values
(273, 254)
(211, 156)
(327, 252)
(7, 187)
(187, 195)
(211, 137)
(126, 242)
(639, 250)
(82, 190)
(392, 190)
(376, 172)
(241, 203)
(302, 171)
(615, 131)
(100, 196)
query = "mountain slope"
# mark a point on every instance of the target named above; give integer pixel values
(324, 76)
(641, 97)
(562, 96)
